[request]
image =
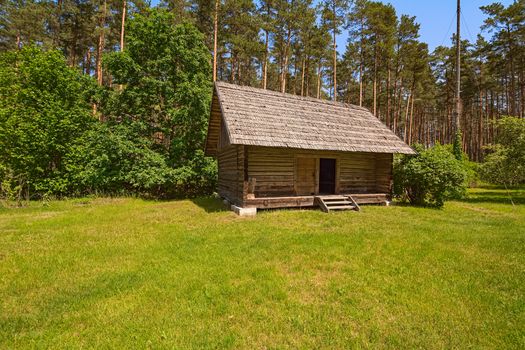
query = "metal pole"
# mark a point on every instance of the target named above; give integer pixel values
(458, 69)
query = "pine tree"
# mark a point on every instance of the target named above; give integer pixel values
(334, 16)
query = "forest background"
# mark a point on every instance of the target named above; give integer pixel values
(113, 96)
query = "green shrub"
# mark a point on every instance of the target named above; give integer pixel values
(472, 168)
(473, 173)
(45, 108)
(430, 177)
(115, 159)
(505, 163)
(197, 177)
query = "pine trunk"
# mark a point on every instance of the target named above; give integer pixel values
(406, 117)
(215, 36)
(319, 71)
(411, 121)
(375, 84)
(302, 76)
(284, 71)
(122, 25)
(265, 63)
(388, 121)
(87, 67)
(100, 45)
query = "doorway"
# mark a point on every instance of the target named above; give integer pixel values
(327, 176)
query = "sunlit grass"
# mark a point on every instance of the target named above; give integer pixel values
(129, 273)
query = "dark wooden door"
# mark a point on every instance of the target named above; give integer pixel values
(326, 176)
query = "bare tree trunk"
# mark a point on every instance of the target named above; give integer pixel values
(507, 94)
(406, 117)
(122, 25)
(215, 35)
(239, 71)
(284, 71)
(232, 67)
(398, 107)
(335, 64)
(522, 93)
(480, 127)
(265, 64)
(361, 84)
(319, 71)
(87, 68)
(302, 76)
(100, 46)
(375, 84)
(307, 82)
(512, 100)
(411, 121)
(388, 121)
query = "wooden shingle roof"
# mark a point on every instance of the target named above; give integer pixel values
(260, 117)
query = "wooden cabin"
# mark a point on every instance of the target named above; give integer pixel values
(278, 150)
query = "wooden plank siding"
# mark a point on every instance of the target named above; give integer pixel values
(384, 180)
(231, 173)
(273, 171)
(293, 172)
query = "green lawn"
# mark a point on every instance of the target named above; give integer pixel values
(130, 273)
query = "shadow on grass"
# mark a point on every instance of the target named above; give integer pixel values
(495, 197)
(210, 204)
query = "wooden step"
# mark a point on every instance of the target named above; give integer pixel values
(335, 202)
(338, 202)
(331, 198)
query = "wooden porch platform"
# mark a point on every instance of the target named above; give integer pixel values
(309, 201)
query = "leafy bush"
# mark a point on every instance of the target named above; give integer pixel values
(472, 168)
(505, 163)
(151, 142)
(197, 177)
(473, 173)
(44, 108)
(430, 177)
(115, 159)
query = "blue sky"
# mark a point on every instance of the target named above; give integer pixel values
(436, 16)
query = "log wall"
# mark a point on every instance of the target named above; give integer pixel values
(384, 179)
(283, 172)
(231, 173)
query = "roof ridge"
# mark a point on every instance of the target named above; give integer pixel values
(288, 95)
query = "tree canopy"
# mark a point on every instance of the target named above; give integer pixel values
(145, 72)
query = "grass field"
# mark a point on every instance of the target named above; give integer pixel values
(130, 273)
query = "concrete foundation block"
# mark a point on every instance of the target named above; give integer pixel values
(244, 211)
